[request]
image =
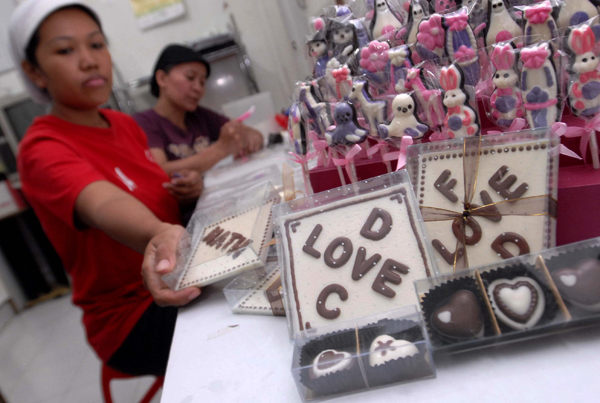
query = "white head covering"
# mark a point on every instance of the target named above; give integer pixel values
(24, 22)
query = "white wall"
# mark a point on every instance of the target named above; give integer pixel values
(263, 32)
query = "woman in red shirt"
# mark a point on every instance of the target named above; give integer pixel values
(92, 181)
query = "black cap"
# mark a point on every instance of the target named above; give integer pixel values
(171, 56)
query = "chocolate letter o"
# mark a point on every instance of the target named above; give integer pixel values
(322, 300)
(346, 245)
(458, 228)
(498, 244)
(386, 225)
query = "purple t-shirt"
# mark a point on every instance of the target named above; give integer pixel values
(203, 127)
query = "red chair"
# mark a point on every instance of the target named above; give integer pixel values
(108, 374)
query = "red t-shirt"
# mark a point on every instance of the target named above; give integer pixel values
(56, 161)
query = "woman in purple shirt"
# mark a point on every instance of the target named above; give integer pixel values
(185, 139)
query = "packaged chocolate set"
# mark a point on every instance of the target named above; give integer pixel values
(256, 292)
(527, 296)
(377, 351)
(226, 240)
(350, 252)
(485, 199)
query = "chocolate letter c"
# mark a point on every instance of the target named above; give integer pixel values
(322, 300)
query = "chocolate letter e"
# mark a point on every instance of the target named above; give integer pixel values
(386, 225)
(387, 274)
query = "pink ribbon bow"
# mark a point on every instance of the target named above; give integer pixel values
(320, 146)
(340, 75)
(457, 22)
(534, 58)
(585, 133)
(348, 159)
(538, 15)
(302, 159)
(401, 154)
(464, 53)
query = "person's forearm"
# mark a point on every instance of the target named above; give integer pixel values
(126, 220)
(200, 162)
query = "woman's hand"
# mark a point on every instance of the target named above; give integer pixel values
(253, 141)
(230, 137)
(186, 185)
(159, 259)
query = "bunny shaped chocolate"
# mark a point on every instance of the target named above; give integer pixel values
(584, 92)
(539, 86)
(506, 100)
(540, 25)
(405, 121)
(461, 120)
(575, 12)
(501, 26)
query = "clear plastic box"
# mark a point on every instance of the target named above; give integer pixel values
(381, 350)
(523, 297)
(226, 240)
(257, 292)
(514, 175)
(350, 252)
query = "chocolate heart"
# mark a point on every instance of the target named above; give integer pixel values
(330, 361)
(385, 348)
(460, 318)
(580, 285)
(518, 303)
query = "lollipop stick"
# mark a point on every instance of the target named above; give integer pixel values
(339, 168)
(307, 185)
(384, 150)
(594, 150)
(352, 172)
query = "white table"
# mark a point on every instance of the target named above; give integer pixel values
(251, 362)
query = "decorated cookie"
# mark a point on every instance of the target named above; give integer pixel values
(518, 303)
(575, 12)
(461, 45)
(331, 361)
(373, 111)
(519, 169)
(506, 100)
(460, 317)
(539, 85)
(406, 121)
(580, 285)
(230, 246)
(347, 130)
(384, 20)
(584, 91)
(461, 120)
(351, 258)
(501, 27)
(385, 348)
(540, 25)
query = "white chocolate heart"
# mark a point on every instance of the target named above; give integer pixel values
(330, 361)
(517, 300)
(385, 348)
(515, 303)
